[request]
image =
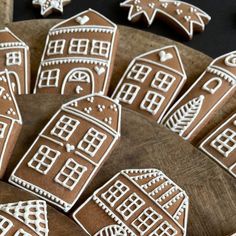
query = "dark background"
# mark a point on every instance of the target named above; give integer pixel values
(218, 38)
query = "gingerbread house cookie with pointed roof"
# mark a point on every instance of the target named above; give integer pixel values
(79, 55)
(136, 202)
(188, 116)
(27, 218)
(220, 144)
(10, 120)
(70, 150)
(151, 82)
(15, 57)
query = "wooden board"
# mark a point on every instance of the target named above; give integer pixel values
(212, 191)
(59, 225)
(144, 144)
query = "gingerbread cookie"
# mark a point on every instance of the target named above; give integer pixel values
(185, 17)
(70, 150)
(10, 120)
(152, 82)
(15, 57)
(27, 218)
(78, 56)
(50, 6)
(208, 94)
(220, 145)
(136, 202)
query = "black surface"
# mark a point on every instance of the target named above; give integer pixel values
(218, 38)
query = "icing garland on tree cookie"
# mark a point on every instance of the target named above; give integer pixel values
(185, 17)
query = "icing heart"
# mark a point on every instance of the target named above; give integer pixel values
(82, 20)
(70, 147)
(165, 56)
(99, 70)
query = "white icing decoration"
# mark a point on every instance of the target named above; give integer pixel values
(167, 8)
(139, 72)
(21, 232)
(99, 70)
(70, 175)
(231, 60)
(128, 93)
(101, 108)
(87, 148)
(223, 141)
(32, 213)
(48, 5)
(182, 119)
(69, 147)
(5, 225)
(91, 142)
(82, 19)
(164, 79)
(16, 61)
(81, 52)
(164, 56)
(120, 204)
(44, 159)
(152, 102)
(112, 230)
(212, 85)
(65, 127)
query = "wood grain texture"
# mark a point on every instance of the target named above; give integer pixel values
(132, 43)
(6, 12)
(144, 144)
(59, 225)
(212, 190)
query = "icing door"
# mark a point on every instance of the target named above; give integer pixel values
(78, 81)
(15, 82)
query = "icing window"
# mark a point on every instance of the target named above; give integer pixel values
(70, 174)
(44, 159)
(91, 142)
(65, 127)
(115, 193)
(139, 72)
(130, 206)
(225, 143)
(165, 229)
(13, 58)
(21, 232)
(100, 48)
(163, 81)
(3, 127)
(79, 46)
(152, 102)
(5, 225)
(49, 78)
(56, 47)
(146, 220)
(128, 93)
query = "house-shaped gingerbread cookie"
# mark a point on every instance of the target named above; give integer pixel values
(151, 82)
(70, 150)
(136, 202)
(78, 56)
(10, 120)
(207, 95)
(220, 144)
(27, 218)
(15, 57)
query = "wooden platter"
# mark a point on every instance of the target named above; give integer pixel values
(212, 191)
